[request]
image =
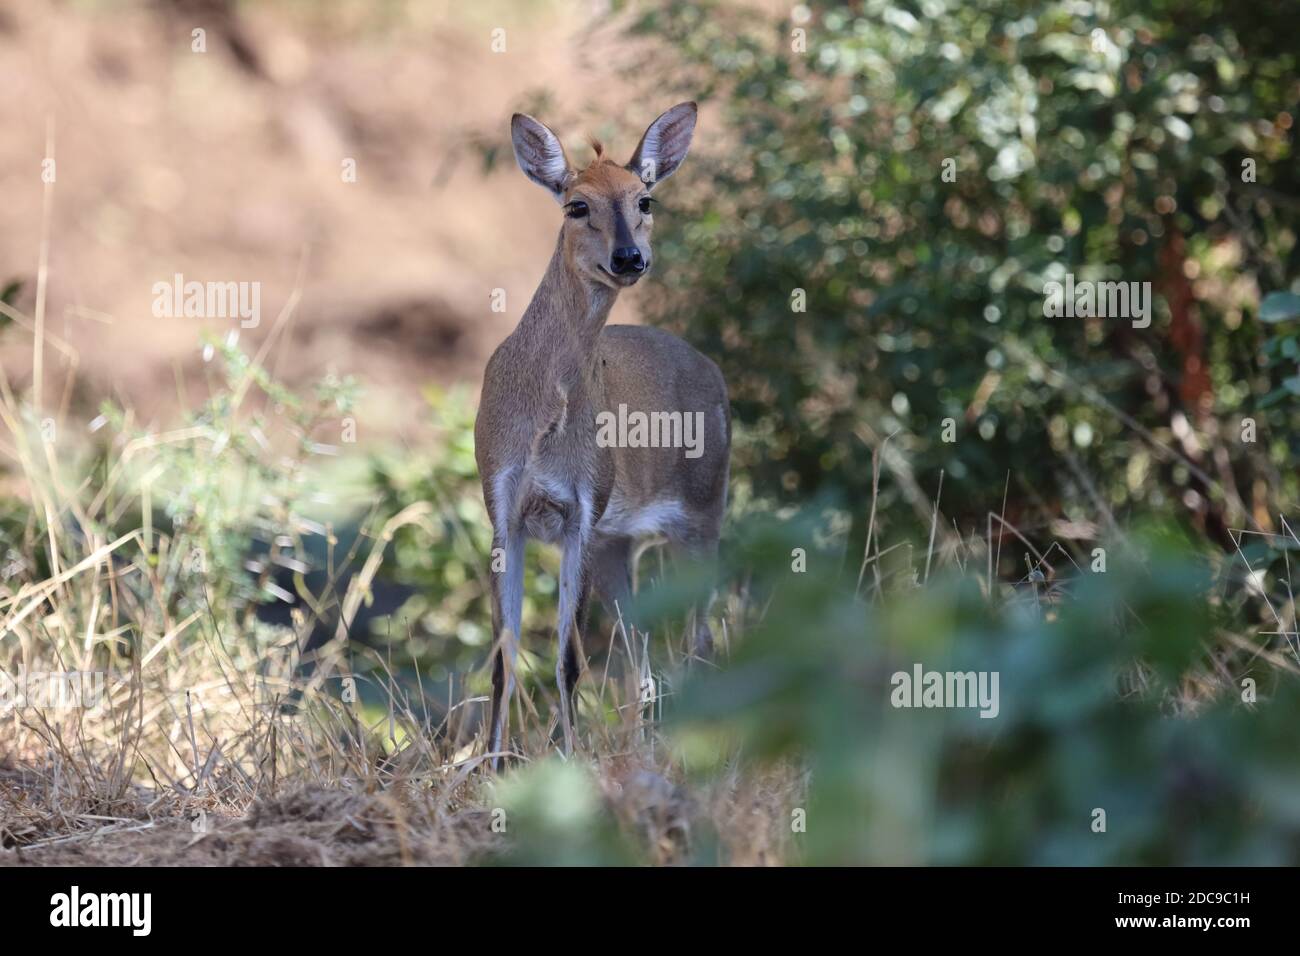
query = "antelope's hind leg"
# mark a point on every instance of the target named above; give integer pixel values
(703, 553)
(611, 578)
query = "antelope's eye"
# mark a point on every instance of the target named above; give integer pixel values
(645, 205)
(576, 209)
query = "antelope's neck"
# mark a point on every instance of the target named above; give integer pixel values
(568, 310)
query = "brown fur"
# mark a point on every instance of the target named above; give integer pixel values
(544, 474)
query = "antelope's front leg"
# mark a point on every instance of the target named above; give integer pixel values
(507, 615)
(573, 598)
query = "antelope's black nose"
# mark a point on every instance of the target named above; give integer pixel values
(626, 260)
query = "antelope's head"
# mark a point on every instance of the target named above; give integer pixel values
(607, 206)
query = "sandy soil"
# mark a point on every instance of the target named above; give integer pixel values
(227, 166)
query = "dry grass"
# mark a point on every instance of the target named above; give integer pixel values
(218, 740)
(194, 761)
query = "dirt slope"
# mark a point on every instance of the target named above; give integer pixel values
(227, 166)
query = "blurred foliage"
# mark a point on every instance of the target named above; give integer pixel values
(1093, 714)
(553, 815)
(1283, 349)
(1103, 139)
(1112, 697)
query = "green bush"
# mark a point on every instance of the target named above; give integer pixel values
(1095, 712)
(1107, 140)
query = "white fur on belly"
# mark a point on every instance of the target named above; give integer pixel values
(624, 519)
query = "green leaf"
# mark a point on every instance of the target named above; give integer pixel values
(1279, 307)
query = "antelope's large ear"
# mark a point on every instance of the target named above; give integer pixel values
(664, 145)
(540, 155)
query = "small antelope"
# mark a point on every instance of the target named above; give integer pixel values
(548, 469)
